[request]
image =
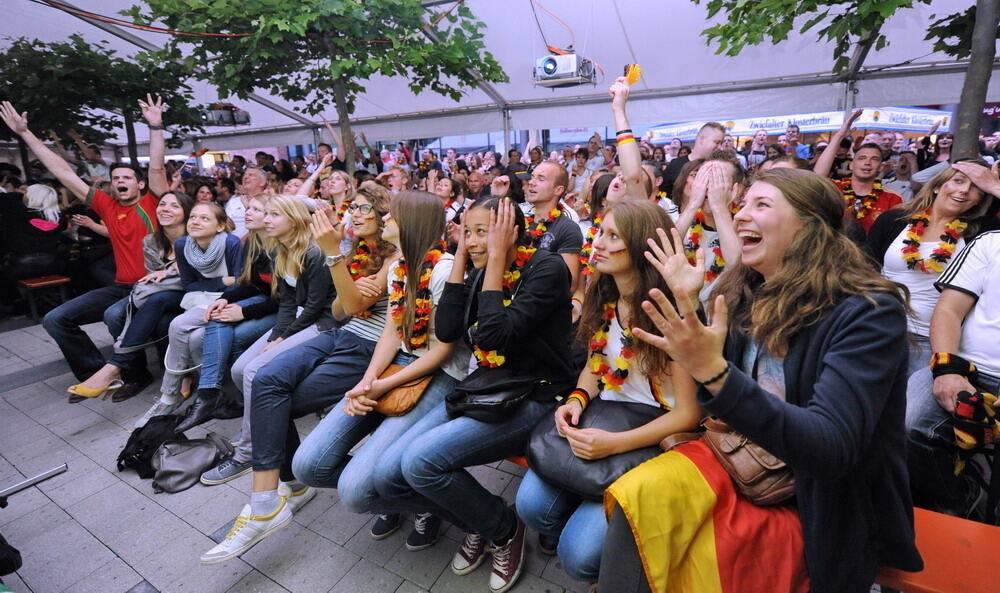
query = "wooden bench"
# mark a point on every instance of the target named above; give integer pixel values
(29, 285)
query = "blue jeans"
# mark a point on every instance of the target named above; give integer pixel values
(224, 342)
(931, 445)
(920, 352)
(301, 380)
(579, 524)
(425, 471)
(323, 459)
(63, 324)
(142, 330)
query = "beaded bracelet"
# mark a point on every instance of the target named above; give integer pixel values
(721, 374)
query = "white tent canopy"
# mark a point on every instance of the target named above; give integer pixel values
(683, 79)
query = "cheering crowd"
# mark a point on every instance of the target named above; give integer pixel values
(835, 305)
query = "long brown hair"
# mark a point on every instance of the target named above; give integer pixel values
(928, 193)
(380, 198)
(637, 221)
(819, 269)
(421, 226)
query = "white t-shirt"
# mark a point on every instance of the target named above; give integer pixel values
(976, 271)
(637, 387)
(923, 295)
(236, 210)
(457, 366)
(709, 241)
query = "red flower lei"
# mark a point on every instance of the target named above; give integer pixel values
(492, 358)
(423, 302)
(587, 266)
(536, 229)
(342, 209)
(359, 261)
(692, 242)
(941, 254)
(861, 205)
(610, 377)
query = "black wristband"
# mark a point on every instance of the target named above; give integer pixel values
(721, 374)
(625, 131)
(152, 127)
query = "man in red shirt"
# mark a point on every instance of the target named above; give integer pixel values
(129, 215)
(865, 198)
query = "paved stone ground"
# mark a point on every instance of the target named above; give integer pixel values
(93, 529)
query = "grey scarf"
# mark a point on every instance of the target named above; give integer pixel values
(210, 263)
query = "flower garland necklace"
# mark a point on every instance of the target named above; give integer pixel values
(941, 254)
(693, 241)
(359, 262)
(862, 205)
(609, 377)
(492, 358)
(587, 266)
(537, 229)
(423, 302)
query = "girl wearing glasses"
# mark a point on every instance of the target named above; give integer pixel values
(314, 375)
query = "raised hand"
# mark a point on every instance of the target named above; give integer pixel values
(18, 123)
(328, 235)
(671, 262)
(503, 232)
(152, 110)
(718, 189)
(619, 92)
(982, 177)
(697, 348)
(849, 122)
(500, 186)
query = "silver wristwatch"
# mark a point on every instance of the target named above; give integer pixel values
(332, 260)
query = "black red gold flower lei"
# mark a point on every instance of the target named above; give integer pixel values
(610, 377)
(860, 205)
(492, 358)
(587, 266)
(423, 300)
(536, 229)
(918, 224)
(715, 263)
(358, 264)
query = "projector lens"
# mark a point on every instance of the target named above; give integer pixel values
(549, 66)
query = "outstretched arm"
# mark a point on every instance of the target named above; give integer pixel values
(629, 156)
(152, 111)
(825, 161)
(18, 123)
(341, 154)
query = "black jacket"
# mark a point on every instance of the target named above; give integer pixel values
(259, 284)
(533, 333)
(313, 291)
(888, 226)
(841, 430)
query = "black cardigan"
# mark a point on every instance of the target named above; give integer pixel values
(259, 268)
(313, 291)
(888, 226)
(841, 430)
(533, 333)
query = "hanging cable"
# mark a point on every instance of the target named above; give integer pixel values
(572, 35)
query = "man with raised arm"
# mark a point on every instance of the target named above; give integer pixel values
(864, 195)
(129, 215)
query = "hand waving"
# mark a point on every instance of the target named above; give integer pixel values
(328, 234)
(18, 123)
(697, 348)
(152, 110)
(671, 262)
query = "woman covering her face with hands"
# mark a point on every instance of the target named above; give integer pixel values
(802, 357)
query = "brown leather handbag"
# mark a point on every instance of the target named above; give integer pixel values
(759, 476)
(401, 399)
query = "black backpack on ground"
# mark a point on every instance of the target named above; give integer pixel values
(143, 443)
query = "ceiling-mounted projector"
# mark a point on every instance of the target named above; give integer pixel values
(560, 70)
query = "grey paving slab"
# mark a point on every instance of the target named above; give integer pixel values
(492, 479)
(367, 577)
(113, 577)
(15, 584)
(325, 498)
(174, 567)
(554, 573)
(408, 587)
(423, 567)
(143, 587)
(56, 554)
(21, 504)
(300, 560)
(203, 507)
(338, 524)
(82, 478)
(256, 582)
(512, 468)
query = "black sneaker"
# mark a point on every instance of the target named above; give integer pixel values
(425, 532)
(548, 544)
(384, 526)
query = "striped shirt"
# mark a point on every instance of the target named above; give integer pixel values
(370, 328)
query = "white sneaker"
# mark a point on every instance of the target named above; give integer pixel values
(246, 532)
(157, 409)
(295, 500)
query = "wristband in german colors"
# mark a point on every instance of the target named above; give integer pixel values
(581, 396)
(946, 363)
(625, 139)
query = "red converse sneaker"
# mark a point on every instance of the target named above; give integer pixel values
(470, 555)
(507, 561)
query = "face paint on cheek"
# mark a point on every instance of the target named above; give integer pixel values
(618, 253)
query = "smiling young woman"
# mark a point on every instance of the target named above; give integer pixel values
(808, 366)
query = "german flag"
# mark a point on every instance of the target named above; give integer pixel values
(696, 534)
